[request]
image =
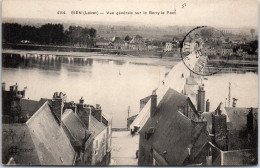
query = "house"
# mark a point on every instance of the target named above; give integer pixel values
(138, 46)
(138, 43)
(233, 133)
(118, 43)
(137, 39)
(226, 51)
(143, 102)
(39, 141)
(152, 47)
(57, 132)
(224, 137)
(183, 130)
(103, 43)
(16, 109)
(168, 46)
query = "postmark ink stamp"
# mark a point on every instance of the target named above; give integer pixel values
(205, 43)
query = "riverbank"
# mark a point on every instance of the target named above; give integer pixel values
(71, 48)
(168, 62)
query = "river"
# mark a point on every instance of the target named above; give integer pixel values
(115, 84)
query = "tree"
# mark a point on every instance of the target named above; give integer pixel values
(92, 33)
(127, 38)
(12, 32)
(206, 33)
(252, 31)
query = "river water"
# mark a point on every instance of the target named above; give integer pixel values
(115, 84)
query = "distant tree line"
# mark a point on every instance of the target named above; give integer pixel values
(249, 47)
(48, 34)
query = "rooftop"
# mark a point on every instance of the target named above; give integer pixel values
(95, 126)
(78, 131)
(174, 127)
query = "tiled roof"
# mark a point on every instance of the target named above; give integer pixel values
(78, 131)
(208, 116)
(29, 107)
(240, 157)
(16, 139)
(176, 80)
(238, 116)
(146, 99)
(95, 126)
(132, 117)
(174, 127)
(223, 110)
(107, 117)
(52, 145)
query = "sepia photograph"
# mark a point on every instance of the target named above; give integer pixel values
(129, 83)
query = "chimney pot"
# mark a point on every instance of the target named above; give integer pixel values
(201, 99)
(58, 105)
(153, 107)
(207, 105)
(3, 86)
(81, 100)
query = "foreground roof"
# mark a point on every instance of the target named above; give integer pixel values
(176, 80)
(18, 144)
(39, 141)
(174, 127)
(95, 126)
(52, 145)
(238, 116)
(77, 130)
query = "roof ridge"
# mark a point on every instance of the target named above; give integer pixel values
(36, 113)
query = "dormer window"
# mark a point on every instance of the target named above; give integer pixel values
(149, 133)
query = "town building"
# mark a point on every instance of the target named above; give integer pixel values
(233, 133)
(39, 141)
(118, 43)
(174, 134)
(56, 133)
(137, 43)
(168, 46)
(143, 102)
(226, 136)
(103, 43)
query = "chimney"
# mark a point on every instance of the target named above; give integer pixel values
(201, 99)
(250, 120)
(234, 103)
(14, 88)
(84, 112)
(153, 104)
(58, 101)
(219, 129)
(251, 130)
(81, 103)
(3, 86)
(207, 105)
(98, 113)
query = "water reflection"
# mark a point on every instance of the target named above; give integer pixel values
(45, 62)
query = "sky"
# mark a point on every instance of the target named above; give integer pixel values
(225, 13)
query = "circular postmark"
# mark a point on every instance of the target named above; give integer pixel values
(204, 51)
